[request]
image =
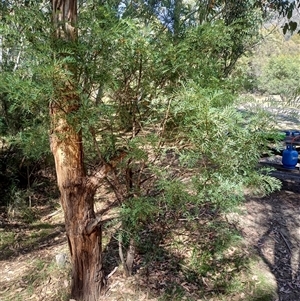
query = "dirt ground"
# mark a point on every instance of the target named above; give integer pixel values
(271, 225)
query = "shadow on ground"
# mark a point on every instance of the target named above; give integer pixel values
(18, 239)
(186, 259)
(275, 232)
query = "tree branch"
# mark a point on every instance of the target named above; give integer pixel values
(102, 170)
(92, 225)
(99, 175)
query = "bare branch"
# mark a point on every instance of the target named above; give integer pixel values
(92, 225)
(99, 175)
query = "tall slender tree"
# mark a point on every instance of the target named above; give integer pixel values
(76, 189)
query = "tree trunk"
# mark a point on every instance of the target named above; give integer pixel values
(82, 228)
(77, 190)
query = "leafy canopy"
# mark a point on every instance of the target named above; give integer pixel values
(145, 89)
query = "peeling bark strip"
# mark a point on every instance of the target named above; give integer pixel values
(64, 17)
(77, 190)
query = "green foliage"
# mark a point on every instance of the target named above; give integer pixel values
(272, 65)
(280, 75)
(19, 205)
(143, 92)
(25, 85)
(221, 146)
(137, 212)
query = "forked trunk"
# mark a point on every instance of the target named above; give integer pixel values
(77, 192)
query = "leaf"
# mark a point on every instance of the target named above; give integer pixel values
(293, 25)
(289, 14)
(285, 28)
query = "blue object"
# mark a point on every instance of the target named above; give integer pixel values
(289, 157)
(292, 133)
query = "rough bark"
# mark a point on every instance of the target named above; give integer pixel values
(77, 190)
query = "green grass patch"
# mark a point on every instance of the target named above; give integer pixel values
(7, 240)
(262, 285)
(24, 238)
